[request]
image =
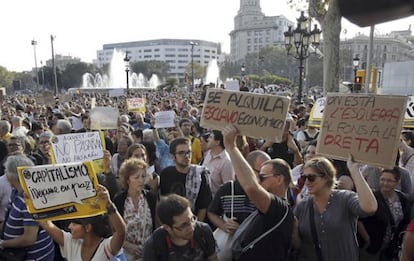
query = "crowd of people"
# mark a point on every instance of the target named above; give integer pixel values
(172, 193)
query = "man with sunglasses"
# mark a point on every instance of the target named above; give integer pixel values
(181, 236)
(268, 194)
(186, 179)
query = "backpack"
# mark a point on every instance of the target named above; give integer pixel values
(309, 138)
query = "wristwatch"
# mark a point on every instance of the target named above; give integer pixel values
(1, 243)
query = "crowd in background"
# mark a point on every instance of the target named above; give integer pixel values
(335, 210)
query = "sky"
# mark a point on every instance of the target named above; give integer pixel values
(81, 28)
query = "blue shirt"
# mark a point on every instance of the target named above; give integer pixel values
(43, 249)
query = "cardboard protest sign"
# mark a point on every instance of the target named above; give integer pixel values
(62, 191)
(316, 113)
(104, 118)
(79, 147)
(255, 115)
(366, 126)
(136, 104)
(164, 119)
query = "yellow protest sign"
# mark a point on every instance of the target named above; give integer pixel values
(255, 115)
(79, 147)
(366, 126)
(136, 104)
(61, 191)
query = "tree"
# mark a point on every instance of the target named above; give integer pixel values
(148, 68)
(6, 77)
(199, 70)
(327, 13)
(72, 76)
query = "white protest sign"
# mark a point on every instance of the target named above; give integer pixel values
(255, 115)
(104, 118)
(61, 191)
(54, 185)
(232, 85)
(164, 119)
(75, 147)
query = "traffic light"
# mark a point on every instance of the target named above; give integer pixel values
(359, 81)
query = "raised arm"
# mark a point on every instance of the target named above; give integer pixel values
(115, 221)
(366, 198)
(54, 232)
(244, 172)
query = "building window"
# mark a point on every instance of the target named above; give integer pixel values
(170, 55)
(156, 50)
(170, 49)
(249, 41)
(147, 50)
(147, 56)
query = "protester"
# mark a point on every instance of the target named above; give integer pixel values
(181, 236)
(268, 193)
(381, 232)
(89, 238)
(407, 251)
(21, 232)
(218, 161)
(136, 205)
(186, 179)
(328, 217)
(186, 126)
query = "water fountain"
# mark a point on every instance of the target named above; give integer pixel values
(116, 77)
(213, 73)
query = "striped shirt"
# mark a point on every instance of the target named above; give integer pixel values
(18, 218)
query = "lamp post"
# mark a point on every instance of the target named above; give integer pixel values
(301, 38)
(126, 60)
(355, 62)
(34, 43)
(43, 74)
(242, 71)
(192, 65)
(52, 38)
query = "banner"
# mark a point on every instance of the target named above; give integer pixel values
(62, 191)
(79, 147)
(164, 119)
(366, 126)
(255, 115)
(136, 104)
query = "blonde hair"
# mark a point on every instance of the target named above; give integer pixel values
(129, 167)
(324, 167)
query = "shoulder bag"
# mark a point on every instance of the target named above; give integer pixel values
(224, 239)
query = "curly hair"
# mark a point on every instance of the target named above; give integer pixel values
(129, 167)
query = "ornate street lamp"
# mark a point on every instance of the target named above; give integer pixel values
(126, 61)
(301, 38)
(192, 65)
(355, 62)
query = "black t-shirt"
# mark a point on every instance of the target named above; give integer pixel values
(160, 248)
(172, 181)
(276, 245)
(221, 203)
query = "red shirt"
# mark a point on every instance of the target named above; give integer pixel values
(410, 226)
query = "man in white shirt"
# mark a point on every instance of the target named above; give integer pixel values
(218, 161)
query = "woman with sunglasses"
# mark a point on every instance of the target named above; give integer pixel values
(328, 217)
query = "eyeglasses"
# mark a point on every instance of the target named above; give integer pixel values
(187, 225)
(311, 178)
(388, 180)
(13, 145)
(263, 176)
(45, 142)
(184, 153)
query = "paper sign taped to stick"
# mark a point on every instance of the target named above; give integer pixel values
(104, 118)
(164, 119)
(79, 147)
(255, 115)
(316, 113)
(62, 191)
(232, 85)
(366, 126)
(136, 104)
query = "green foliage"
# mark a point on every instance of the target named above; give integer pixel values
(6, 77)
(72, 76)
(199, 70)
(148, 68)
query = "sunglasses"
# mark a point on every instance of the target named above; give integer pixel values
(310, 178)
(262, 176)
